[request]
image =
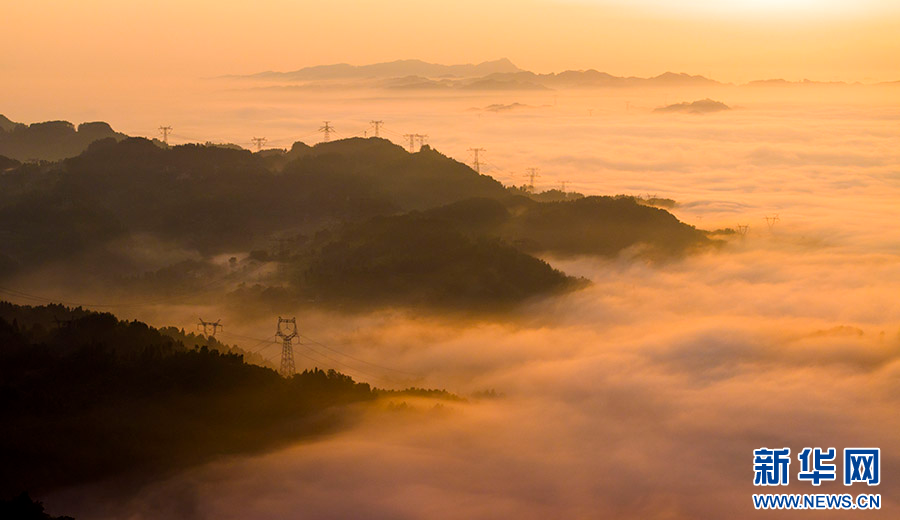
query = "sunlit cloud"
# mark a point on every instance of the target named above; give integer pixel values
(788, 336)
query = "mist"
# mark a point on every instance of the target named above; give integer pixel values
(640, 396)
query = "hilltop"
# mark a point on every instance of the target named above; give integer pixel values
(50, 140)
(702, 106)
(499, 75)
(495, 75)
(392, 69)
(362, 223)
(85, 397)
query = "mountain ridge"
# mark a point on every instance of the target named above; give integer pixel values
(388, 69)
(501, 74)
(50, 140)
(367, 217)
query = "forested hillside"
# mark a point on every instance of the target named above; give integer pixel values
(360, 223)
(84, 396)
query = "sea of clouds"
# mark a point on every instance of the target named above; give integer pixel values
(644, 395)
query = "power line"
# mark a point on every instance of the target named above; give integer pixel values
(356, 358)
(346, 367)
(266, 343)
(188, 138)
(360, 373)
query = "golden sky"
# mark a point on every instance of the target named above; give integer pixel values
(730, 40)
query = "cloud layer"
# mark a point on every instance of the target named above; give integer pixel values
(643, 396)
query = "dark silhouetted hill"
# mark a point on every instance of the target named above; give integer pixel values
(414, 260)
(78, 214)
(89, 396)
(601, 226)
(582, 226)
(408, 181)
(209, 198)
(51, 140)
(702, 106)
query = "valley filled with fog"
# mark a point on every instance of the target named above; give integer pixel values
(641, 395)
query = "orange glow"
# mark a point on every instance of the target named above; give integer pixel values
(98, 40)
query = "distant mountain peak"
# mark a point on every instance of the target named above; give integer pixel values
(682, 78)
(392, 69)
(701, 106)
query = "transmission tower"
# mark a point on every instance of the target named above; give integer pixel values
(287, 349)
(476, 164)
(412, 142)
(377, 125)
(164, 130)
(562, 186)
(206, 325)
(532, 173)
(771, 221)
(259, 142)
(742, 229)
(421, 139)
(327, 129)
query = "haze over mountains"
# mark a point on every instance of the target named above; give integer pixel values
(501, 74)
(87, 397)
(370, 224)
(649, 356)
(392, 69)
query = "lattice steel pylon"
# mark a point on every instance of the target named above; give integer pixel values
(327, 129)
(206, 325)
(164, 130)
(287, 348)
(476, 164)
(532, 173)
